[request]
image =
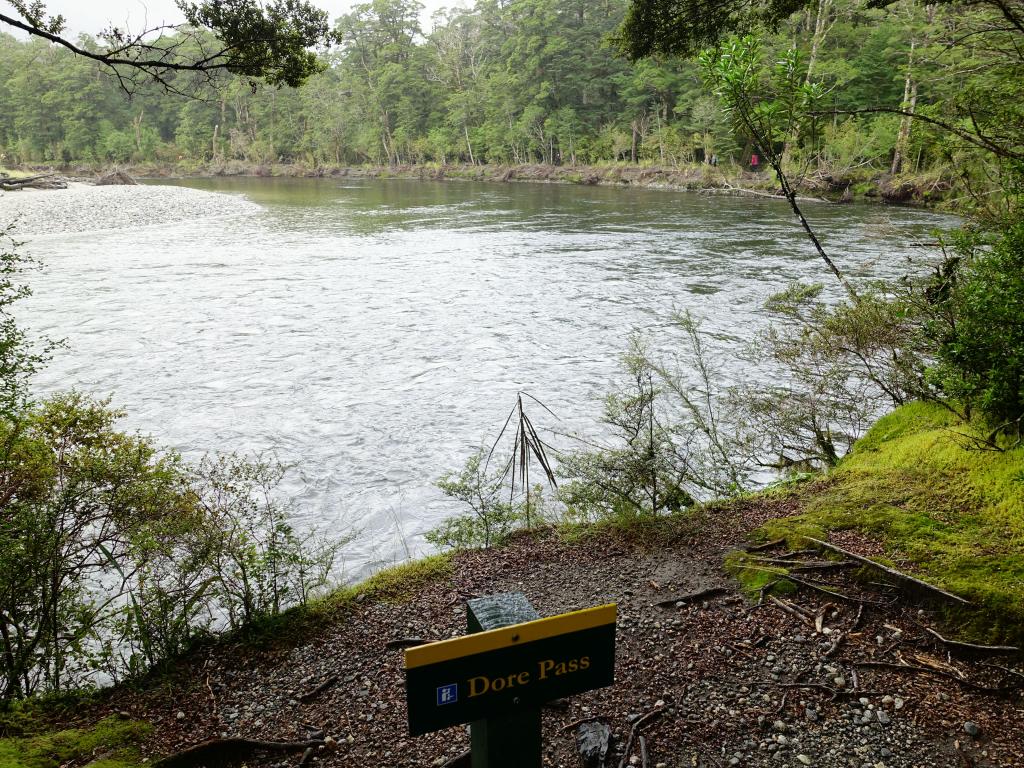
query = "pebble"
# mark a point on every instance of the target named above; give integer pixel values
(971, 729)
(806, 760)
(180, 715)
(883, 717)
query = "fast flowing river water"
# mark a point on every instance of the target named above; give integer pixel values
(372, 334)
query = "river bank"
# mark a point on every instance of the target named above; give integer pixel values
(719, 672)
(857, 185)
(728, 681)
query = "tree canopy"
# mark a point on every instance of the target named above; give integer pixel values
(270, 41)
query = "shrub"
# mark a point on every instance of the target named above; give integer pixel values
(981, 353)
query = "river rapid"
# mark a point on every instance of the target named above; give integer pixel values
(373, 333)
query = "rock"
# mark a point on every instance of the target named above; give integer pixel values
(971, 729)
(804, 759)
(883, 717)
(331, 743)
(839, 680)
(180, 716)
(779, 726)
(592, 740)
(810, 715)
(898, 703)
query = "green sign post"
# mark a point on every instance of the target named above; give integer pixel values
(498, 676)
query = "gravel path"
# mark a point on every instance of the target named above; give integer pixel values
(734, 684)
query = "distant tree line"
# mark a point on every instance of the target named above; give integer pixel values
(520, 81)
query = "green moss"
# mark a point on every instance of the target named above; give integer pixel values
(945, 510)
(395, 584)
(113, 741)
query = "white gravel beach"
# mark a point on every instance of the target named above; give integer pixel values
(83, 208)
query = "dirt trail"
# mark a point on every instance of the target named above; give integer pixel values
(735, 684)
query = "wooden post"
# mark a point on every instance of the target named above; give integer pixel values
(512, 741)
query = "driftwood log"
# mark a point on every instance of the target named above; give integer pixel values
(42, 181)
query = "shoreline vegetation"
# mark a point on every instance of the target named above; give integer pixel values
(924, 190)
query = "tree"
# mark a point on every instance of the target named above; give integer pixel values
(242, 37)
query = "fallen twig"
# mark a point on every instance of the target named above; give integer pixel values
(938, 672)
(307, 697)
(643, 753)
(766, 545)
(906, 579)
(213, 699)
(791, 609)
(974, 647)
(642, 720)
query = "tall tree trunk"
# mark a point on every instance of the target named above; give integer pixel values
(635, 142)
(469, 145)
(909, 103)
(137, 125)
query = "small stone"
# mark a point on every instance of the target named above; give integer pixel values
(839, 680)
(883, 717)
(330, 742)
(888, 700)
(806, 760)
(898, 703)
(180, 715)
(661, 765)
(634, 760)
(779, 726)
(811, 715)
(971, 729)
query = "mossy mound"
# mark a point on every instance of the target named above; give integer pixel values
(944, 508)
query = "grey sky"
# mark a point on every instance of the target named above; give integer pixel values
(93, 15)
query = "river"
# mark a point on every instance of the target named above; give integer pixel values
(371, 334)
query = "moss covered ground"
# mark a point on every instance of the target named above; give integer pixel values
(110, 743)
(943, 507)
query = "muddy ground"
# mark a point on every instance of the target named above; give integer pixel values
(722, 681)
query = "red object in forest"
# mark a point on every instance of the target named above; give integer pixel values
(754, 159)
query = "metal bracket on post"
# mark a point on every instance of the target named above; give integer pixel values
(514, 740)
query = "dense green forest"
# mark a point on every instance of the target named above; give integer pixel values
(519, 81)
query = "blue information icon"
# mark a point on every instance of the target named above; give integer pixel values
(447, 694)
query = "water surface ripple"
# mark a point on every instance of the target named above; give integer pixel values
(372, 334)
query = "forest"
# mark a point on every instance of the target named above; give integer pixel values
(541, 81)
